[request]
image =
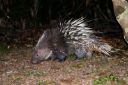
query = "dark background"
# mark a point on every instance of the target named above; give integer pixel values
(22, 21)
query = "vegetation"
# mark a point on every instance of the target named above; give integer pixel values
(106, 79)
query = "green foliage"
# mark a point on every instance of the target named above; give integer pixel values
(78, 65)
(71, 57)
(106, 79)
(35, 73)
(41, 83)
(18, 78)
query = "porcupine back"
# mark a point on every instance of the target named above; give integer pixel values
(83, 39)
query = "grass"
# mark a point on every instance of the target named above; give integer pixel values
(18, 78)
(35, 73)
(110, 78)
(46, 83)
(78, 65)
(41, 83)
(71, 57)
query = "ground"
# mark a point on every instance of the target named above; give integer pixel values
(16, 69)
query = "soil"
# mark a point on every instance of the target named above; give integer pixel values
(16, 69)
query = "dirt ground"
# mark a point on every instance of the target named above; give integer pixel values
(16, 69)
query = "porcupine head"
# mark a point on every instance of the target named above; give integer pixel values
(70, 37)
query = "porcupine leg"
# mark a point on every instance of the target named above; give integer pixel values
(58, 56)
(81, 53)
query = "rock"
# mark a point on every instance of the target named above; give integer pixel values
(121, 12)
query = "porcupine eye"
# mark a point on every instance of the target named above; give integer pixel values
(36, 58)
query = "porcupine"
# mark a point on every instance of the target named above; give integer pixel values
(66, 38)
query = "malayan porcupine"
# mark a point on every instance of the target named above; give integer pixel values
(69, 37)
